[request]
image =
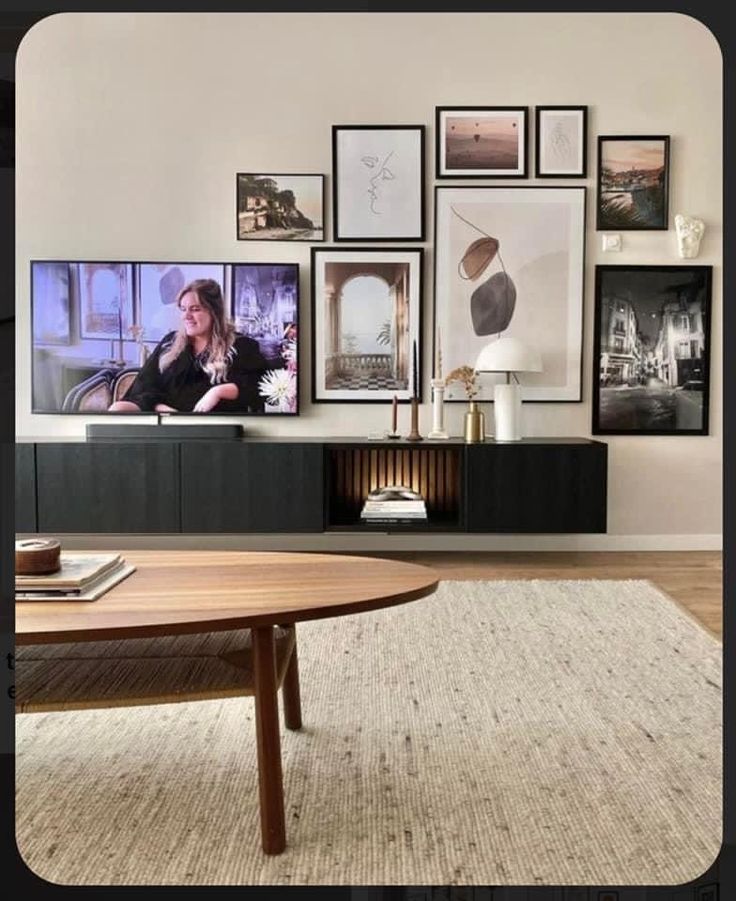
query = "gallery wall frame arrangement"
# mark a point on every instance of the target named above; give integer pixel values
(366, 321)
(378, 177)
(481, 141)
(651, 355)
(279, 207)
(561, 141)
(633, 182)
(509, 260)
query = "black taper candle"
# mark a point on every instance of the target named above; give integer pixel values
(415, 369)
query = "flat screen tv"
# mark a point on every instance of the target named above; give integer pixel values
(195, 338)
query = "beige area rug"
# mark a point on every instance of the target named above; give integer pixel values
(496, 733)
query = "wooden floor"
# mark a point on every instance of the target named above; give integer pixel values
(693, 578)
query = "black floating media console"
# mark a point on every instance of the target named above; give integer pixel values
(136, 484)
(122, 432)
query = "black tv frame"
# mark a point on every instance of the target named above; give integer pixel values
(204, 416)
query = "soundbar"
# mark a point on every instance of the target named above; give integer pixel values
(130, 432)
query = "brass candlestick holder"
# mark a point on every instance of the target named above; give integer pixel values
(414, 433)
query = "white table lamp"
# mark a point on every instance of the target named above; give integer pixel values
(508, 355)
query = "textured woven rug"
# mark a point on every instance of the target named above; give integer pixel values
(499, 733)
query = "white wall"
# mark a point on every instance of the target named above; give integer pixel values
(131, 127)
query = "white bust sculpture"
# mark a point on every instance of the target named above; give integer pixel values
(689, 233)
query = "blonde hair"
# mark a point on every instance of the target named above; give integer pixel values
(219, 352)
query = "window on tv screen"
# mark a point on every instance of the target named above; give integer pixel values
(195, 338)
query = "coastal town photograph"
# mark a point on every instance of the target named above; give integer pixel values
(632, 182)
(280, 207)
(652, 326)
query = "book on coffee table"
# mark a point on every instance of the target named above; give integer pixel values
(82, 577)
(91, 590)
(77, 570)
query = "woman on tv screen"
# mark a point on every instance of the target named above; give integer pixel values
(202, 367)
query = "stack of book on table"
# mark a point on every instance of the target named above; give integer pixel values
(391, 506)
(82, 577)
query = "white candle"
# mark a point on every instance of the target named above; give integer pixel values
(438, 357)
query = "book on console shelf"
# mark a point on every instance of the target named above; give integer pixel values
(82, 577)
(394, 511)
(392, 521)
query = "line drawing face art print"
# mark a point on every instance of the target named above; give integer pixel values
(378, 182)
(379, 172)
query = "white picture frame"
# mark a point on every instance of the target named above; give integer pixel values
(541, 247)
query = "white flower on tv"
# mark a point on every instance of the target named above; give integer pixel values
(278, 386)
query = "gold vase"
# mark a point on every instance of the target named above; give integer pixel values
(475, 424)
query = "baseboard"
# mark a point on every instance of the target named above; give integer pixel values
(350, 541)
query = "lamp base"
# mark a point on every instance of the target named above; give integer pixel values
(507, 412)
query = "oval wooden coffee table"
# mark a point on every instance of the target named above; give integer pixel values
(143, 643)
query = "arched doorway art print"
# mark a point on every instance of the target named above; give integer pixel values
(366, 316)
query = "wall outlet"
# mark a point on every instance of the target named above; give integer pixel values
(612, 242)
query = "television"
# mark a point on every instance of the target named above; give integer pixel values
(128, 337)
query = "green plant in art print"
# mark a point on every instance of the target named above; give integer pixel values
(385, 334)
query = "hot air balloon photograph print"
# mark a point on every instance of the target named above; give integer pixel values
(481, 142)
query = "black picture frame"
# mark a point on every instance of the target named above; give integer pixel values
(361, 259)
(473, 113)
(647, 206)
(359, 198)
(542, 141)
(241, 234)
(672, 382)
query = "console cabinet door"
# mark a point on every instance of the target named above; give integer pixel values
(25, 488)
(536, 488)
(86, 487)
(251, 487)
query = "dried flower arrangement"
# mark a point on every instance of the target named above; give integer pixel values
(468, 378)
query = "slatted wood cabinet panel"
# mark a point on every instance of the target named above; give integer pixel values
(25, 488)
(241, 487)
(88, 487)
(536, 487)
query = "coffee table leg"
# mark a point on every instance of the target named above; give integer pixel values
(270, 783)
(290, 690)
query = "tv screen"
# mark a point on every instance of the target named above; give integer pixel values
(195, 338)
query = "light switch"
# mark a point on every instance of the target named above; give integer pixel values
(612, 242)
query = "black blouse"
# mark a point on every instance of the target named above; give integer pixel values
(184, 380)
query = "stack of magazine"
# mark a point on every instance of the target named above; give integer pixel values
(82, 577)
(393, 505)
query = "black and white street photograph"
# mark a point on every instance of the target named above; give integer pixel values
(652, 349)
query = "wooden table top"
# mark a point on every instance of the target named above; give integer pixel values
(176, 592)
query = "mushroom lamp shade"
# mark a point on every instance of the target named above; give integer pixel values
(508, 355)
